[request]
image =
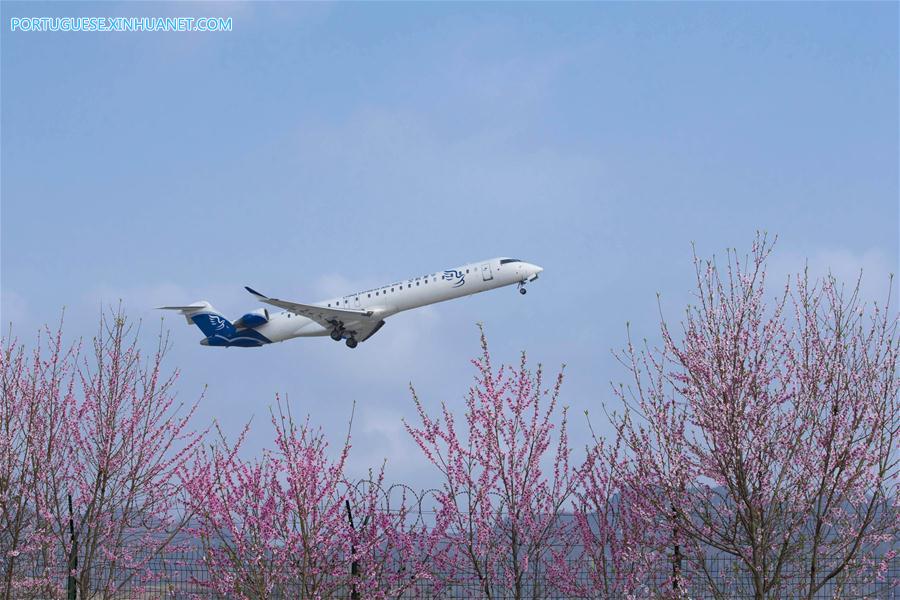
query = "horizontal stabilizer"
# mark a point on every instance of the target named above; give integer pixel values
(190, 309)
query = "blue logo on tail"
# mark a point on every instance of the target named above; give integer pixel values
(218, 322)
(212, 324)
(220, 332)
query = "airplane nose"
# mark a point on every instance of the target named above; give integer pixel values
(532, 271)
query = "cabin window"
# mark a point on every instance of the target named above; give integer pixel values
(392, 289)
(376, 293)
(417, 283)
(370, 295)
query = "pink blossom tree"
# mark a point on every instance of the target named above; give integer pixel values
(290, 524)
(105, 430)
(504, 481)
(620, 545)
(769, 430)
(273, 525)
(37, 386)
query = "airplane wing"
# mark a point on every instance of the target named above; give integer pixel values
(323, 315)
(366, 330)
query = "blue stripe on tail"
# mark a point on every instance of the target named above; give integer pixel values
(219, 331)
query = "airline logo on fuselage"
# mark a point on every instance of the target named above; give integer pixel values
(453, 274)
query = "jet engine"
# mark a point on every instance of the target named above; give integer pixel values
(252, 319)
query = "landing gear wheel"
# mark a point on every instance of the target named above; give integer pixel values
(351, 342)
(336, 335)
(523, 291)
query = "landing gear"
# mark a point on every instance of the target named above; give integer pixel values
(351, 342)
(337, 335)
(522, 290)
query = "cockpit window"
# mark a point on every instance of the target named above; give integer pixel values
(505, 261)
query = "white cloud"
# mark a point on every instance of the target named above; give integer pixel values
(379, 432)
(13, 309)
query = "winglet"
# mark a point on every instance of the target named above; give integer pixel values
(254, 292)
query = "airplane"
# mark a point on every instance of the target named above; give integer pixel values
(356, 317)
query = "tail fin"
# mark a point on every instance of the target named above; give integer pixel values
(207, 318)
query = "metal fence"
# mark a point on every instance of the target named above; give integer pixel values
(183, 575)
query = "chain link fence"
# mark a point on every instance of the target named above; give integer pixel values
(183, 575)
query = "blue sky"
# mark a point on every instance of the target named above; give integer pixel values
(320, 148)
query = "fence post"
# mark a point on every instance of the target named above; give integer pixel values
(354, 564)
(71, 581)
(676, 558)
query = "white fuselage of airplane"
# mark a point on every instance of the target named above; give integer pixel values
(356, 317)
(407, 294)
